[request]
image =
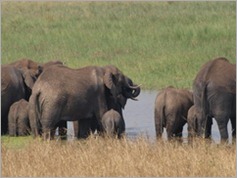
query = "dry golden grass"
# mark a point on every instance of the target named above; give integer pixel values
(111, 157)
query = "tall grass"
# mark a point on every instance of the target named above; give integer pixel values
(155, 43)
(111, 157)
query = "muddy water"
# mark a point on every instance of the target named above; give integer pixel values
(139, 119)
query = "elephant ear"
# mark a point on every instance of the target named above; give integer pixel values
(110, 80)
(28, 79)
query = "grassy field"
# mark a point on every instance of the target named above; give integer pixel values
(155, 43)
(111, 157)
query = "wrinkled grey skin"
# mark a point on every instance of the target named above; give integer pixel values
(214, 90)
(17, 80)
(113, 123)
(171, 109)
(18, 119)
(62, 93)
(193, 114)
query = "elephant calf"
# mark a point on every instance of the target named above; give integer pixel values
(18, 119)
(113, 123)
(193, 114)
(171, 108)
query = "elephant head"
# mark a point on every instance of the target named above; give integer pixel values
(120, 86)
(30, 71)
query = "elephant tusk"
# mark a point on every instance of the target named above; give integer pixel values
(135, 86)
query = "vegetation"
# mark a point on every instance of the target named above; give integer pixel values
(112, 157)
(155, 43)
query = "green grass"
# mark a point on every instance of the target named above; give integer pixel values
(16, 142)
(155, 43)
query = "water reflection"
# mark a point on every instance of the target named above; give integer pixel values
(139, 119)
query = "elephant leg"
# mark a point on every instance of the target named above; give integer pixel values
(4, 124)
(23, 126)
(121, 129)
(179, 132)
(95, 125)
(171, 126)
(178, 127)
(22, 131)
(208, 127)
(12, 124)
(49, 126)
(170, 131)
(48, 132)
(84, 128)
(233, 125)
(222, 125)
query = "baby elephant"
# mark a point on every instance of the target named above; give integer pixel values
(194, 114)
(171, 109)
(113, 123)
(18, 119)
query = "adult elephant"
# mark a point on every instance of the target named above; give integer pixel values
(16, 83)
(62, 93)
(17, 80)
(214, 91)
(171, 108)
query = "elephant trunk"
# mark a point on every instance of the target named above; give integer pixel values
(132, 91)
(135, 91)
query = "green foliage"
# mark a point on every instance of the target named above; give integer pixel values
(155, 43)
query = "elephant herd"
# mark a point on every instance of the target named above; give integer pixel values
(38, 98)
(213, 96)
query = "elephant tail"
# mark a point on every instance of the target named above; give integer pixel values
(160, 119)
(35, 114)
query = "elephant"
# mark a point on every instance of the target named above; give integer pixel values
(113, 123)
(18, 119)
(62, 93)
(17, 81)
(171, 109)
(193, 114)
(214, 90)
